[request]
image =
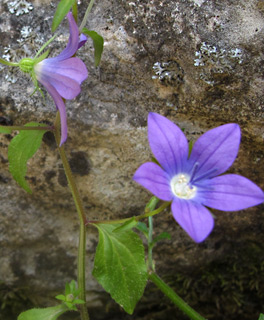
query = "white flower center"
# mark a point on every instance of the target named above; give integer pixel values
(181, 188)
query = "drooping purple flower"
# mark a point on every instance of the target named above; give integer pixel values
(193, 183)
(63, 75)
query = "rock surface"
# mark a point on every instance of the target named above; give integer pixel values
(198, 62)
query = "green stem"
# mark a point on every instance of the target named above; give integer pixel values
(45, 45)
(8, 63)
(137, 218)
(19, 128)
(150, 262)
(82, 218)
(86, 15)
(178, 301)
(81, 271)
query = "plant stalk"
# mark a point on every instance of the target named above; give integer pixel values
(137, 218)
(150, 233)
(19, 128)
(85, 18)
(178, 301)
(82, 218)
(8, 63)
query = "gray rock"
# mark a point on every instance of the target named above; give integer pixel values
(198, 62)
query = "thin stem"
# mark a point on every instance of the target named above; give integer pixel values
(8, 63)
(82, 218)
(19, 128)
(45, 45)
(150, 228)
(81, 271)
(137, 218)
(178, 301)
(85, 18)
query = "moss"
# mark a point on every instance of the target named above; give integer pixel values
(228, 289)
(231, 288)
(13, 301)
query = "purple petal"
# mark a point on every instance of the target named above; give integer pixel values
(60, 106)
(65, 86)
(72, 68)
(82, 40)
(194, 218)
(153, 178)
(168, 143)
(231, 192)
(215, 151)
(65, 76)
(73, 42)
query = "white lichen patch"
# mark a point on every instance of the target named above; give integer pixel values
(168, 73)
(26, 32)
(19, 7)
(214, 55)
(215, 60)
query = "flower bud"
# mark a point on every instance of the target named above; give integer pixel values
(69, 297)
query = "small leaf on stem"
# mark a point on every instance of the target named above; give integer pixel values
(141, 226)
(22, 147)
(98, 43)
(162, 236)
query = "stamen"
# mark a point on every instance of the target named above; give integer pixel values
(205, 175)
(194, 170)
(180, 186)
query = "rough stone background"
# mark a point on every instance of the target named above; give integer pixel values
(198, 62)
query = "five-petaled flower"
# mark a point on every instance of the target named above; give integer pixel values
(61, 75)
(193, 183)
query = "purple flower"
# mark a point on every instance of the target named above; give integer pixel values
(192, 183)
(63, 75)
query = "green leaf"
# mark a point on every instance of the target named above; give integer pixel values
(261, 316)
(22, 147)
(119, 265)
(67, 289)
(4, 130)
(131, 223)
(162, 236)
(141, 226)
(63, 8)
(98, 43)
(71, 306)
(78, 301)
(61, 297)
(51, 313)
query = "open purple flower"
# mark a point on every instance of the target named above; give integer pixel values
(63, 75)
(192, 183)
